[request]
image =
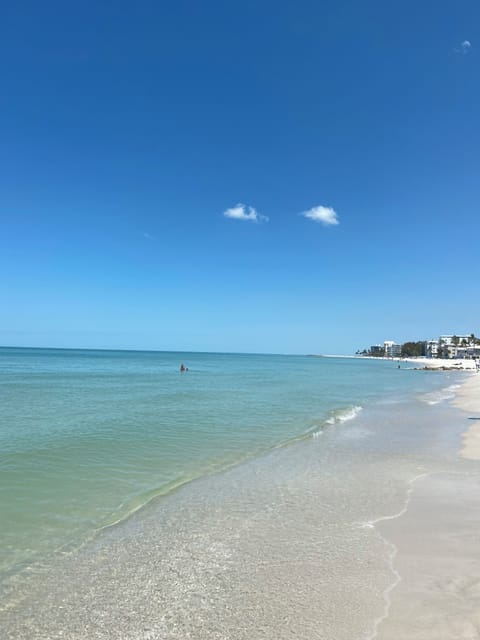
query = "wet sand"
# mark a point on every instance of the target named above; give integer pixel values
(468, 399)
(438, 561)
(436, 544)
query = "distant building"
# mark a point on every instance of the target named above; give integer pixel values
(471, 351)
(454, 340)
(447, 346)
(376, 350)
(453, 346)
(431, 349)
(392, 349)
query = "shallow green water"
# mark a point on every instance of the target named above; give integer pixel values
(86, 437)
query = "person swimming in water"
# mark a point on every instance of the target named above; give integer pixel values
(182, 367)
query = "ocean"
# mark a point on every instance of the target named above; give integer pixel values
(236, 495)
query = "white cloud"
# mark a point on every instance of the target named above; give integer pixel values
(465, 46)
(242, 212)
(147, 235)
(324, 215)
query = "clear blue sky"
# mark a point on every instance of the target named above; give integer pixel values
(129, 129)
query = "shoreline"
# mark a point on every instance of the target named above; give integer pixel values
(424, 363)
(435, 364)
(436, 590)
(467, 399)
(285, 543)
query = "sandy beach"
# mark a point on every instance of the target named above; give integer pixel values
(436, 541)
(435, 546)
(422, 362)
(434, 364)
(468, 399)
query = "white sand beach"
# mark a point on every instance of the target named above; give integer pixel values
(422, 362)
(442, 364)
(468, 399)
(437, 596)
(435, 542)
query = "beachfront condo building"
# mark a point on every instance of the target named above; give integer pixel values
(431, 349)
(392, 349)
(453, 346)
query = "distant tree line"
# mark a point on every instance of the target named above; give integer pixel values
(413, 349)
(375, 352)
(472, 341)
(409, 349)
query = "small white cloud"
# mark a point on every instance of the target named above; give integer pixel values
(465, 47)
(242, 212)
(324, 215)
(148, 236)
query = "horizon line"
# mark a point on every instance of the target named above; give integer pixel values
(132, 350)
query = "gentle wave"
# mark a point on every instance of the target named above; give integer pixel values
(338, 417)
(127, 509)
(440, 395)
(90, 437)
(344, 415)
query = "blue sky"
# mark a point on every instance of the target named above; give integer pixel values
(129, 129)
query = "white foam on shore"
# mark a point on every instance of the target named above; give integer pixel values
(337, 417)
(440, 395)
(344, 415)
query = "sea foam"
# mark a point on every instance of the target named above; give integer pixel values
(440, 395)
(343, 415)
(338, 417)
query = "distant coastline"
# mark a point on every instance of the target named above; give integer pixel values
(433, 364)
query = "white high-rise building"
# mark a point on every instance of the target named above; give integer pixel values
(392, 349)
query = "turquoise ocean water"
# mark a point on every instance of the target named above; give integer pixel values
(242, 491)
(88, 437)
